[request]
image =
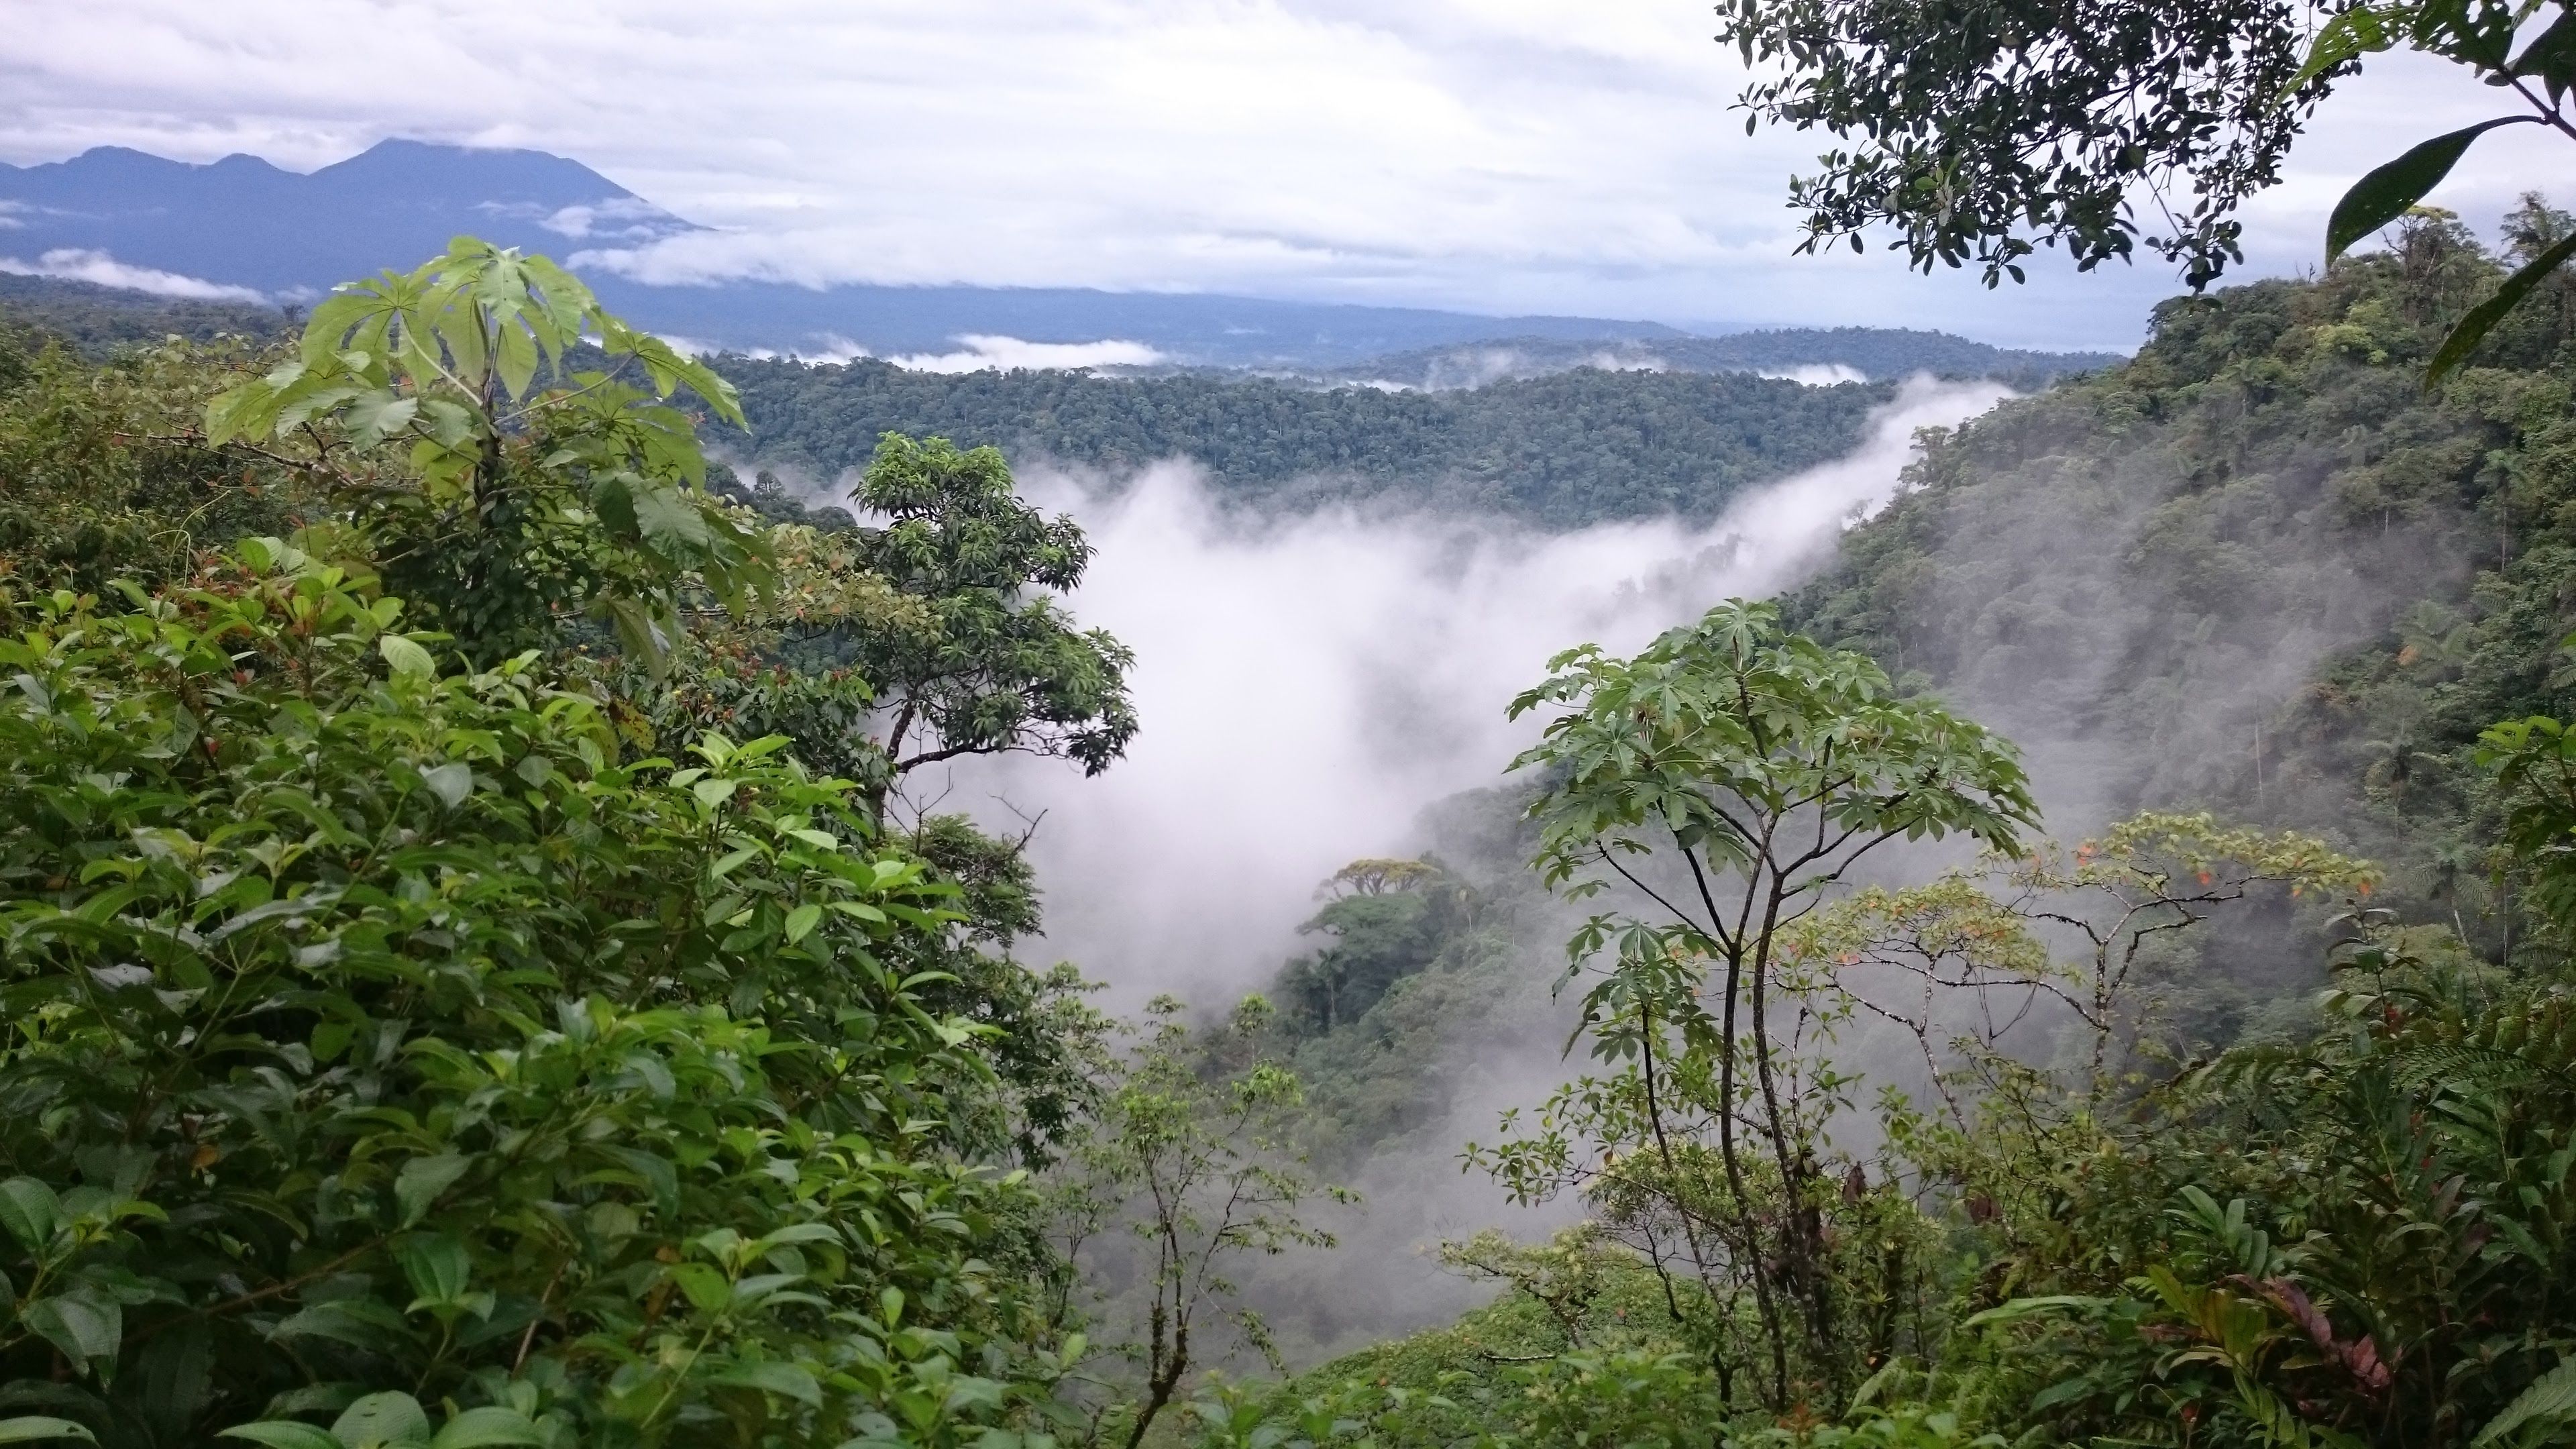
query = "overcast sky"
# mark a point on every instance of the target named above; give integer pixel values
(1569, 156)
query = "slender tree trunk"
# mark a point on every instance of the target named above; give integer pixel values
(1164, 1378)
(1748, 1231)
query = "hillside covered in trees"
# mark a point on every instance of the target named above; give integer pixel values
(2089, 967)
(2259, 574)
(1558, 451)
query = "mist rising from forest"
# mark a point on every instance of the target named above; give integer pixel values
(1308, 685)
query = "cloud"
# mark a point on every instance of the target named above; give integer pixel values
(1819, 374)
(984, 353)
(1308, 685)
(72, 264)
(826, 347)
(1492, 155)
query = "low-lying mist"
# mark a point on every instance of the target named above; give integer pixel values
(1307, 685)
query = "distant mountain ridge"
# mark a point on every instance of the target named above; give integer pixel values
(1807, 354)
(242, 222)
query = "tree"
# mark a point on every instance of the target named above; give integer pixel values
(394, 1036)
(991, 663)
(376, 1035)
(513, 502)
(1991, 127)
(1192, 1145)
(1730, 775)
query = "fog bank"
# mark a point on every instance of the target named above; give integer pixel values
(1308, 685)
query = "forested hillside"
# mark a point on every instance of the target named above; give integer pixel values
(2259, 570)
(98, 320)
(2263, 572)
(1559, 451)
(472, 976)
(2262, 567)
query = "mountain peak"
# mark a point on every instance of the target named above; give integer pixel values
(242, 221)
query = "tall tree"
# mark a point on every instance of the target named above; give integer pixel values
(1730, 775)
(1984, 129)
(996, 665)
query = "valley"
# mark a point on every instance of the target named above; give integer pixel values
(1431, 887)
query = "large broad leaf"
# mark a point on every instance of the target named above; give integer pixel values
(422, 1179)
(778, 1378)
(437, 1267)
(30, 1211)
(30, 1428)
(282, 1434)
(2385, 194)
(406, 658)
(359, 1322)
(85, 1329)
(380, 1420)
(2482, 318)
(489, 1425)
(2551, 1399)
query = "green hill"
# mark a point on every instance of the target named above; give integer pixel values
(1559, 451)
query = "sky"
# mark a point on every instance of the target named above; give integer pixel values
(1558, 156)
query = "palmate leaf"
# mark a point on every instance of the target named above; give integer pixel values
(2482, 318)
(2551, 1399)
(2390, 189)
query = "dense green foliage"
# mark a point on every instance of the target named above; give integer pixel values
(462, 986)
(96, 321)
(1564, 450)
(439, 1017)
(1989, 130)
(2133, 572)
(2258, 569)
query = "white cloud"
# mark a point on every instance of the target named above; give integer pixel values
(1500, 155)
(75, 265)
(1307, 685)
(984, 353)
(829, 347)
(1818, 374)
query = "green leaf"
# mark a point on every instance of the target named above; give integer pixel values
(375, 416)
(2482, 318)
(643, 636)
(281, 1434)
(407, 659)
(422, 1179)
(388, 1418)
(801, 921)
(2385, 194)
(366, 1323)
(777, 1378)
(31, 1212)
(2551, 1397)
(437, 1268)
(28, 1428)
(658, 1174)
(451, 782)
(85, 1329)
(487, 1425)
(706, 1288)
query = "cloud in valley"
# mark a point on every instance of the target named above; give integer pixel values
(75, 265)
(979, 353)
(1308, 685)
